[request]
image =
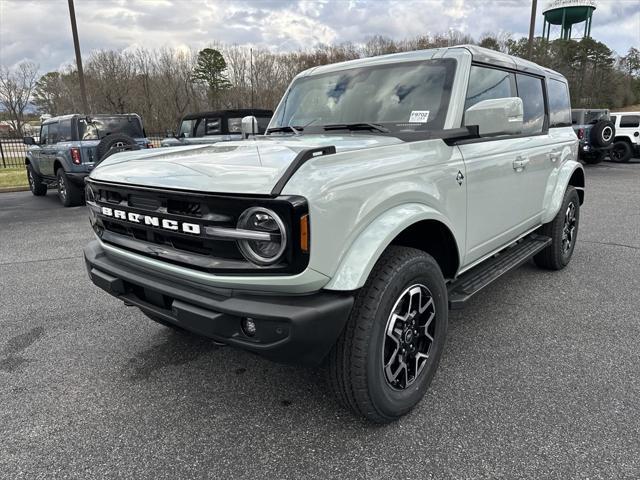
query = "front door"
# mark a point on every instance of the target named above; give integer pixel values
(506, 176)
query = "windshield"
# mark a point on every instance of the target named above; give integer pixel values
(402, 97)
(98, 127)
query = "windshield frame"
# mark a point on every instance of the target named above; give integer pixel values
(395, 128)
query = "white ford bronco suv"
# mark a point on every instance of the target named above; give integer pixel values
(385, 192)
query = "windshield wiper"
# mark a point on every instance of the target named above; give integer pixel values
(357, 126)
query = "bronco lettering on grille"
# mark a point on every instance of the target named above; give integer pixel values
(150, 221)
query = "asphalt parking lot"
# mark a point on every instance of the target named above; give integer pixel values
(540, 377)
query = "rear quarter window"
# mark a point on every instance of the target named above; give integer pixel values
(559, 104)
(630, 121)
(64, 131)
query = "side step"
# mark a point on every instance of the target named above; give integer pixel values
(471, 282)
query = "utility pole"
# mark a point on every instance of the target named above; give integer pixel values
(532, 26)
(251, 73)
(76, 44)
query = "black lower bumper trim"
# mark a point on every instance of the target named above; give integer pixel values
(296, 329)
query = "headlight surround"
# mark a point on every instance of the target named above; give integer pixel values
(263, 220)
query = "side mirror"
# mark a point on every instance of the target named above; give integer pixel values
(249, 126)
(498, 116)
(169, 133)
(29, 141)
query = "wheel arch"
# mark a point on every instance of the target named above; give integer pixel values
(57, 163)
(412, 225)
(571, 173)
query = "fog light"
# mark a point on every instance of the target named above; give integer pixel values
(248, 327)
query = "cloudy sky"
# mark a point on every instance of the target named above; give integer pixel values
(40, 30)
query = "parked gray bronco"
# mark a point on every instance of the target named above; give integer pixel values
(385, 192)
(595, 132)
(70, 146)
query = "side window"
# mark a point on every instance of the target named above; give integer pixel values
(52, 137)
(630, 121)
(532, 94)
(64, 131)
(263, 123)
(212, 126)
(199, 131)
(559, 104)
(488, 83)
(44, 134)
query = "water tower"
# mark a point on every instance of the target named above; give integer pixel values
(567, 13)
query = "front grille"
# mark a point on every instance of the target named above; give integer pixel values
(188, 249)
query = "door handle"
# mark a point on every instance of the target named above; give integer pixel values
(520, 163)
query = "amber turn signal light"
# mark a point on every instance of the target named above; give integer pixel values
(304, 233)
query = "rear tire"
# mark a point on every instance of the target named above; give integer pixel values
(593, 158)
(35, 182)
(563, 230)
(70, 194)
(399, 316)
(621, 152)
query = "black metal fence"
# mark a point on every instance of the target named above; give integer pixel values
(13, 150)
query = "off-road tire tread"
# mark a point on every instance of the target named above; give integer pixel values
(551, 257)
(75, 195)
(347, 362)
(39, 188)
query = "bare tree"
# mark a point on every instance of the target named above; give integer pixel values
(16, 88)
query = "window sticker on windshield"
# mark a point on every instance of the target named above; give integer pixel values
(419, 116)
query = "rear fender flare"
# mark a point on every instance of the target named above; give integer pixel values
(570, 170)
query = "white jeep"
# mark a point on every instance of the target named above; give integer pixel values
(626, 143)
(385, 192)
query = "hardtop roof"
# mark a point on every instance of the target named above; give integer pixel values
(479, 54)
(96, 115)
(240, 112)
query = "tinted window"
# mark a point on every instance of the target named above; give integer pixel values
(52, 137)
(489, 83)
(263, 123)
(532, 94)
(44, 133)
(235, 125)
(630, 121)
(212, 126)
(559, 104)
(64, 131)
(99, 127)
(186, 128)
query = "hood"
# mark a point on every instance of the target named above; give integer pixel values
(240, 167)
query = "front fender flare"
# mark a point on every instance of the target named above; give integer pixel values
(356, 265)
(556, 196)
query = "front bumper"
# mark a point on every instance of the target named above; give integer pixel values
(297, 329)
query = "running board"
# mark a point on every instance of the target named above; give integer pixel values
(471, 282)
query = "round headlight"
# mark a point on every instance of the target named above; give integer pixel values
(262, 220)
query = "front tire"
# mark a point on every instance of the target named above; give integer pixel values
(387, 355)
(35, 182)
(70, 195)
(563, 230)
